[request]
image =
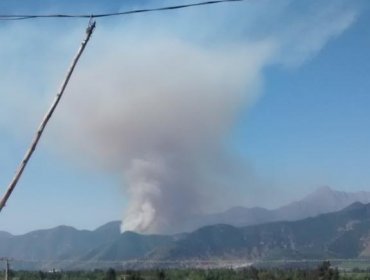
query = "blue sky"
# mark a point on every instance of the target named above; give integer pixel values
(310, 124)
(304, 126)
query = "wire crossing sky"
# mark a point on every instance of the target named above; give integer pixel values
(89, 32)
(193, 111)
(177, 7)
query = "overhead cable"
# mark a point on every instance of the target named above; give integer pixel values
(176, 7)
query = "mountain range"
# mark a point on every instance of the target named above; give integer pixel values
(322, 200)
(340, 234)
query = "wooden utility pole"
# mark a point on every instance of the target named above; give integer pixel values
(23, 164)
(7, 268)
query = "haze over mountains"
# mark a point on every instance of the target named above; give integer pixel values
(322, 200)
(341, 234)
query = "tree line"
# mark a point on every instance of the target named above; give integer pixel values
(323, 272)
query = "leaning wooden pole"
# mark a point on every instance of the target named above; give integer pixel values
(7, 268)
(28, 155)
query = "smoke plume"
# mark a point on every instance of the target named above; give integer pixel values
(160, 108)
(160, 113)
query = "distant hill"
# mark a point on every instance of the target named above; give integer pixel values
(322, 200)
(128, 246)
(4, 235)
(56, 244)
(341, 234)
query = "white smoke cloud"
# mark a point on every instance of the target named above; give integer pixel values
(161, 108)
(160, 113)
(157, 99)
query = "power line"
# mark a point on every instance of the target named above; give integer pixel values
(30, 151)
(30, 16)
(28, 155)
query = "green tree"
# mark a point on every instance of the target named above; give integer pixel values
(42, 275)
(325, 272)
(161, 275)
(110, 274)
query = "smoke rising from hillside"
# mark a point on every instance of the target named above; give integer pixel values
(160, 109)
(162, 119)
